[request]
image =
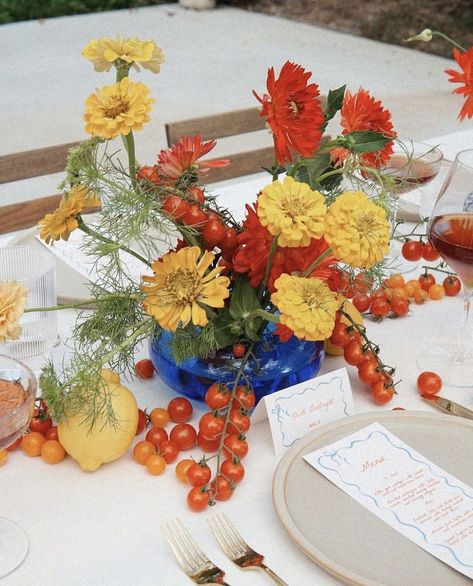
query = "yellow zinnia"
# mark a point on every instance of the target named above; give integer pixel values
(117, 109)
(63, 221)
(13, 299)
(179, 288)
(308, 307)
(83, 194)
(292, 211)
(357, 230)
(104, 52)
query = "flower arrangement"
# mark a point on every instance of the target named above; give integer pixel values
(317, 230)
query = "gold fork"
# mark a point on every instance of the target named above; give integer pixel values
(238, 550)
(190, 557)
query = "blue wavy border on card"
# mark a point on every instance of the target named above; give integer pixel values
(336, 454)
(280, 412)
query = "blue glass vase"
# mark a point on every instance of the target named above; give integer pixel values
(277, 365)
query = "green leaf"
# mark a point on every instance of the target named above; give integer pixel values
(244, 299)
(366, 141)
(334, 102)
(252, 328)
(308, 170)
(226, 329)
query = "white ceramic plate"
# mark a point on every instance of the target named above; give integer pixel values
(346, 539)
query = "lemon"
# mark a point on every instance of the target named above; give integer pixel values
(356, 316)
(106, 441)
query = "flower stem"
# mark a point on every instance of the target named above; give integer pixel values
(269, 262)
(130, 149)
(88, 230)
(446, 38)
(316, 262)
(84, 303)
(141, 328)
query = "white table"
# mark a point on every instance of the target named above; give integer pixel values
(103, 528)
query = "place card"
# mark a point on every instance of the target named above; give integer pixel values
(294, 411)
(414, 496)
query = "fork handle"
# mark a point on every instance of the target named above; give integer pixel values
(274, 577)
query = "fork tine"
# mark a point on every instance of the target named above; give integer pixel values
(190, 543)
(176, 548)
(221, 537)
(233, 534)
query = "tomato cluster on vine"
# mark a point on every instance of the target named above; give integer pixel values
(221, 430)
(414, 250)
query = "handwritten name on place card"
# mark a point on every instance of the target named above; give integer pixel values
(423, 502)
(296, 410)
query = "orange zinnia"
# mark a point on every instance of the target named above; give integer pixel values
(465, 61)
(184, 156)
(293, 111)
(360, 112)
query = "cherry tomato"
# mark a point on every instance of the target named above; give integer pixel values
(211, 425)
(159, 417)
(353, 353)
(230, 240)
(244, 397)
(379, 307)
(156, 435)
(429, 252)
(399, 306)
(12, 447)
(198, 474)
(184, 435)
(395, 280)
(181, 469)
(412, 250)
(32, 443)
(221, 488)
(362, 301)
(368, 372)
(155, 464)
(52, 452)
(341, 335)
(208, 444)
(194, 216)
(196, 194)
(197, 499)
(142, 421)
(401, 292)
(378, 294)
(217, 396)
(180, 410)
(436, 292)
(148, 173)
(429, 383)
(239, 423)
(363, 282)
(381, 392)
(239, 350)
(213, 232)
(233, 471)
(175, 207)
(144, 368)
(420, 296)
(51, 433)
(452, 285)
(169, 450)
(235, 445)
(426, 280)
(40, 423)
(142, 451)
(3, 456)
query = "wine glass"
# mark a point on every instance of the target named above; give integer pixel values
(17, 396)
(450, 231)
(411, 166)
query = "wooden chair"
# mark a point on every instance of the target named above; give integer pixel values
(25, 165)
(225, 125)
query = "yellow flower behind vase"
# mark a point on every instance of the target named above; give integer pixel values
(181, 286)
(117, 109)
(357, 230)
(292, 211)
(105, 52)
(13, 299)
(307, 306)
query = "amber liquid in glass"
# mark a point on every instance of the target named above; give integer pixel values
(452, 237)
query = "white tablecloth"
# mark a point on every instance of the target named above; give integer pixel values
(103, 528)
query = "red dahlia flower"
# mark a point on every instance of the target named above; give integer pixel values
(359, 112)
(184, 156)
(293, 111)
(465, 61)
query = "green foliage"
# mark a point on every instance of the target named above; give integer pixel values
(15, 10)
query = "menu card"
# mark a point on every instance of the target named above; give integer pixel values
(423, 502)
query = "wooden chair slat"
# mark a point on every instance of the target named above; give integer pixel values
(217, 126)
(34, 163)
(26, 214)
(241, 164)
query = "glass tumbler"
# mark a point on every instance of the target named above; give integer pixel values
(36, 270)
